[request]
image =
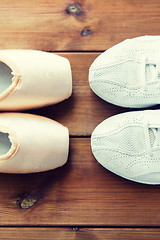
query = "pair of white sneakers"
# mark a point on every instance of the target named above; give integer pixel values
(31, 79)
(128, 75)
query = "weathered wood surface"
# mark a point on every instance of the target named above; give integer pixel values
(83, 111)
(79, 234)
(80, 193)
(75, 25)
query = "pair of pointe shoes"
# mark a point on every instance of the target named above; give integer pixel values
(31, 79)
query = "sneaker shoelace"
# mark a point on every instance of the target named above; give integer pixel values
(154, 143)
(155, 71)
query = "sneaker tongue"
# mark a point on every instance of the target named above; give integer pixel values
(152, 137)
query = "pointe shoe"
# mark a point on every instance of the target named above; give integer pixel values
(128, 74)
(32, 79)
(30, 143)
(128, 144)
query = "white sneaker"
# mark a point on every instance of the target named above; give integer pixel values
(31, 79)
(128, 144)
(30, 143)
(128, 74)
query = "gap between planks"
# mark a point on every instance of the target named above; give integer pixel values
(78, 234)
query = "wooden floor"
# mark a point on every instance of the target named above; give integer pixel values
(81, 200)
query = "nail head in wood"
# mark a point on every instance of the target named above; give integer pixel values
(85, 32)
(76, 229)
(74, 8)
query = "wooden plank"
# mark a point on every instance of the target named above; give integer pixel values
(83, 111)
(82, 193)
(82, 233)
(81, 25)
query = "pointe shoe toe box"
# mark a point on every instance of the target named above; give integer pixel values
(33, 79)
(36, 143)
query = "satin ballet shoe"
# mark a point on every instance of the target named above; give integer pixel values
(32, 79)
(30, 143)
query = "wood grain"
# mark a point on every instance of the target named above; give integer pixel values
(55, 26)
(79, 234)
(58, 204)
(82, 193)
(83, 111)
